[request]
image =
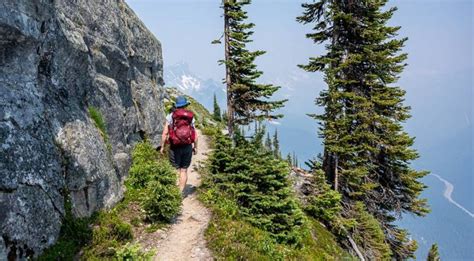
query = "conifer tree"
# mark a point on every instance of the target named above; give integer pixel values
(367, 154)
(433, 255)
(276, 145)
(295, 160)
(259, 183)
(289, 159)
(224, 116)
(322, 202)
(217, 110)
(268, 143)
(247, 100)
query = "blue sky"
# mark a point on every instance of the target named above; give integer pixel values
(438, 81)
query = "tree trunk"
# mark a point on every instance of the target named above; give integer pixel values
(336, 173)
(230, 110)
(356, 248)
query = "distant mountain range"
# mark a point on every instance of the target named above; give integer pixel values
(181, 77)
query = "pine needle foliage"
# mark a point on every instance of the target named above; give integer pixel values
(433, 254)
(276, 145)
(216, 115)
(232, 235)
(367, 153)
(268, 143)
(323, 203)
(247, 100)
(258, 183)
(369, 234)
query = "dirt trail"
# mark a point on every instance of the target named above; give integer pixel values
(184, 240)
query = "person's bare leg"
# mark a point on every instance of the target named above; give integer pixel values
(183, 178)
(178, 177)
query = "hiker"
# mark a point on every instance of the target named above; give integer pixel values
(180, 133)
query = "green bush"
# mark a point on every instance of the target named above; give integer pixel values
(210, 130)
(131, 252)
(143, 152)
(109, 232)
(155, 181)
(161, 202)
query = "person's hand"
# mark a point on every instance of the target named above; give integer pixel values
(194, 150)
(162, 150)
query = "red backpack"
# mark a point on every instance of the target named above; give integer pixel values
(181, 130)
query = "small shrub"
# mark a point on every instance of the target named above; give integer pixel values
(210, 130)
(108, 233)
(141, 174)
(130, 252)
(155, 180)
(161, 202)
(144, 152)
(231, 237)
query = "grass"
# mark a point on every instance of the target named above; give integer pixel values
(73, 235)
(108, 235)
(231, 238)
(103, 236)
(99, 122)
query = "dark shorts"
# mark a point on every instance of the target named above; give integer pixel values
(180, 156)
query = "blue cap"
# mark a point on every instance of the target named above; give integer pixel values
(181, 101)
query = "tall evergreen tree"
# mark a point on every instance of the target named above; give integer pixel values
(433, 255)
(276, 145)
(289, 159)
(295, 160)
(247, 100)
(367, 154)
(224, 116)
(217, 110)
(268, 143)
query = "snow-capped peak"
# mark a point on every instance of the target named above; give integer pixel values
(189, 83)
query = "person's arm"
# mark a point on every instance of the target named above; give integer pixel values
(164, 137)
(195, 144)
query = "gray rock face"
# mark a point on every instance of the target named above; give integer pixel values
(57, 59)
(302, 183)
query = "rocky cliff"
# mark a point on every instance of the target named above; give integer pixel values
(59, 58)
